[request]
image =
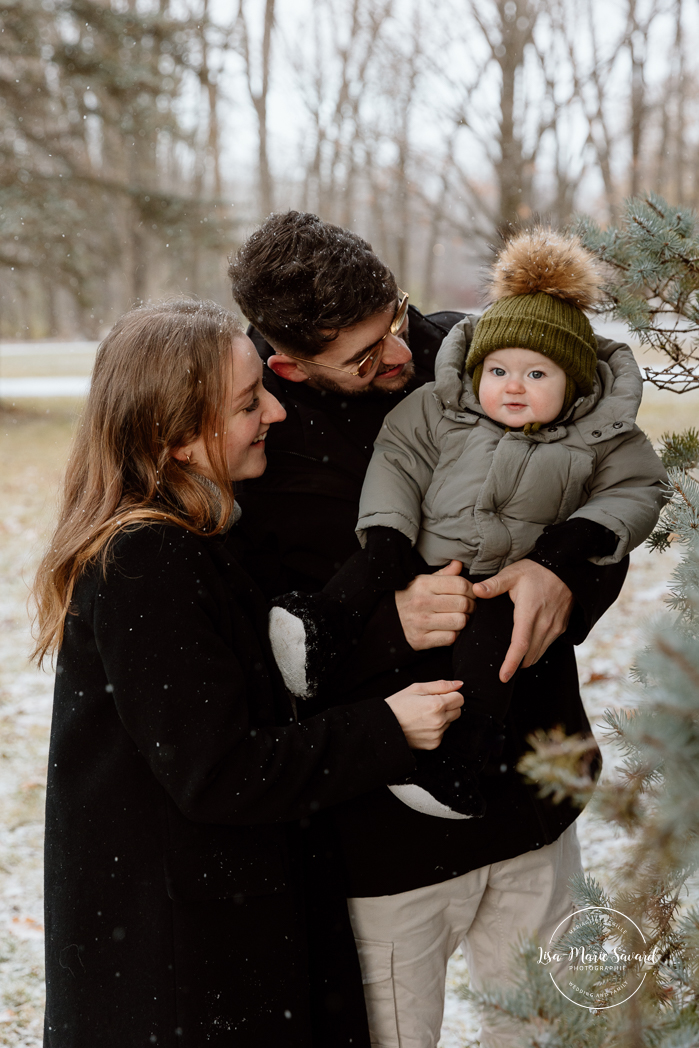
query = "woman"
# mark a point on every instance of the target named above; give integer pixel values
(190, 894)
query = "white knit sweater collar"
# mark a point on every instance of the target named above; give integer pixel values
(216, 492)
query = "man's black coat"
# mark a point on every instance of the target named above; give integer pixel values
(301, 514)
(298, 523)
(192, 897)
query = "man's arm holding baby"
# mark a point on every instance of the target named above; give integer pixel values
(558, 587)
(554, 589)
(561, 585)
(588, 552)
(434, 608)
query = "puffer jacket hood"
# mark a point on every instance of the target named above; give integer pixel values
(615, 398)
(461, 486)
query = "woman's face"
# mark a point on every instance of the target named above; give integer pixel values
(247, 414)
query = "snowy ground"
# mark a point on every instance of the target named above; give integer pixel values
(32, 452)
(603, 663)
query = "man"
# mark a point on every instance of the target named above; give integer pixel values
(342, 347)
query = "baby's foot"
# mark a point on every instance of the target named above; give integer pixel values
(443, 792)
(446, 781)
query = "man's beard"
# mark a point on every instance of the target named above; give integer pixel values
(394, 385)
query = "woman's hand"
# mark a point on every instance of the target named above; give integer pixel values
(425, 711)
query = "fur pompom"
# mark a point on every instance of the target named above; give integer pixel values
(543, 260)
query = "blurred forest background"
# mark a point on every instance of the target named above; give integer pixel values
(141, 140)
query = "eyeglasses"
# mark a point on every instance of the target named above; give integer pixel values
(367, 364)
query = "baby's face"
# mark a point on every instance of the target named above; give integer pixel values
(520, 386)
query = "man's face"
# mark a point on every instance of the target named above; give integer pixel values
(392, 373)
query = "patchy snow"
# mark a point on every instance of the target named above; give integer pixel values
(34, 450)
(25, 711)
(40, 386)
(25, 714)
(604, 661)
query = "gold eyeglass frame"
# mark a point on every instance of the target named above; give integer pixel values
(376, 352)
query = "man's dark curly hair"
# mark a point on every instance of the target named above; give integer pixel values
(300, 280)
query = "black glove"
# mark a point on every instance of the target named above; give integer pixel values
(311, 633)
(387, 563)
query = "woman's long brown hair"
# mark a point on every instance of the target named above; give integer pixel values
(160, 381)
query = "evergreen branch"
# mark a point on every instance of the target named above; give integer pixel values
(680, 450)
(654, 255)
(660, 540)
(690, 263)
(562, 766)
(682, 661)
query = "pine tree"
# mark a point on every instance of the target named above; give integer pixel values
(653, 285)
(652, 258)
(97, 195)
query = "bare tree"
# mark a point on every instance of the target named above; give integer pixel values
(337, 61)
(436, 209)
(259, 96)
(592, 80)
(426, 127)
(674, 125)
(508, 34)
(101, 171)
(510, 134)
(638, 31)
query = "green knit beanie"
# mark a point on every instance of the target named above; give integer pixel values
(542, 281)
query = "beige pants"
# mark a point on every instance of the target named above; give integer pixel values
(405, 941)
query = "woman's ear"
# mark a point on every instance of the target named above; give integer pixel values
(193, 453)
(183, 454)
(287, 367)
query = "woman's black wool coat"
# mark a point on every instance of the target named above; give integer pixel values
(192, 894)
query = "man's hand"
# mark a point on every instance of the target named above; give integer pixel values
(434, 608)
(542, 609)
(425, 711)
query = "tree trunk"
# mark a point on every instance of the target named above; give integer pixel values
(436, 216)
(680, 123)
(515, 27)
(266, 184)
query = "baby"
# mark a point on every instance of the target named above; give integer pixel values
(524, 446)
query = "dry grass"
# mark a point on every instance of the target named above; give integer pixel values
(70, 364)
(33, 448)
(663, 412)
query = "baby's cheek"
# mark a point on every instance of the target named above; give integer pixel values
(487, 397)
(549, 402)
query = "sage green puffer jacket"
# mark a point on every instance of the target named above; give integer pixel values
(461, 487)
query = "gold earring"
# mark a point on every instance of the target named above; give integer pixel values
(187, 457)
